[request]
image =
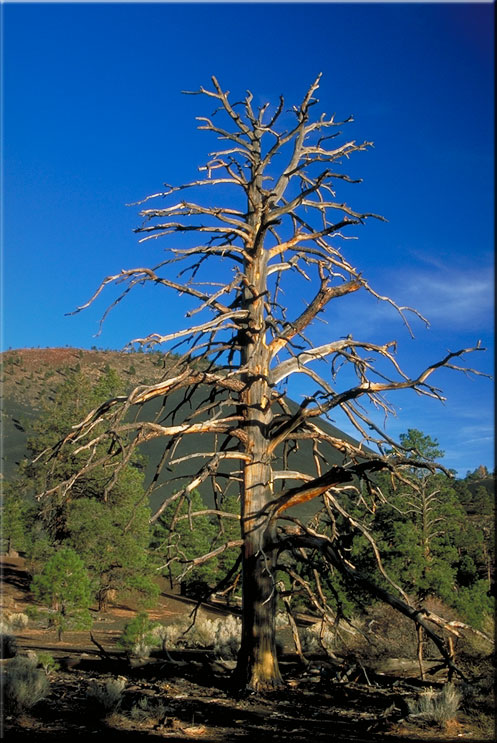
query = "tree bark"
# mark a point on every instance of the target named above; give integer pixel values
(257, 667)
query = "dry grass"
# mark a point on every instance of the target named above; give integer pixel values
(436, 707)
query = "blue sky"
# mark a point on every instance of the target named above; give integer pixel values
(94, 119)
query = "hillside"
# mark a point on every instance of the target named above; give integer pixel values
(30, 375)
(30, 378)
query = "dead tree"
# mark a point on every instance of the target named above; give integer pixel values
(283, 225)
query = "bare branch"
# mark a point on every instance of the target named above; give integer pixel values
(290, 224)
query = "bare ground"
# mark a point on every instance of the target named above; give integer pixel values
(191, 697)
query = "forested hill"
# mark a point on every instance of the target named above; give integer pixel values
(31, 378)
(47, 390)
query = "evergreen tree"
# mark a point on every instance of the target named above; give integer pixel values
(228, 561)
(14, 521)
(427, 543)
(64, 586)
(112, 537)
(104, 518)
(178, 538)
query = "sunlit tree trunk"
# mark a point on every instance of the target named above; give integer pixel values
(257, 663)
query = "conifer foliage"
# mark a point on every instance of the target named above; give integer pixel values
(63, 585)
(105, 521)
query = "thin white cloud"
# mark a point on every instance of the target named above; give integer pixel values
(464, 299)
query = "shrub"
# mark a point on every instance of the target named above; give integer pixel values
(181, 633)
(107, 696)
(47, 662)
(23, 685)
(146, 709)
(8, 645)
(140, 636)
(227, 637)
(313, 638)
(170, 634)
(436, 707)
(18, 621)
(221, 634)
(282, 620)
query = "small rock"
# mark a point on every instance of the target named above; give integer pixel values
(195, 731)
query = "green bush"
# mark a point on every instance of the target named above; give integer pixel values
(47, 662)
(139, 636)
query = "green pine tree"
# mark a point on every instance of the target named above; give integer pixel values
(15, 520)
(428, 545)
(64, 586)
(112, 537)
(105, 519)
(180, 536)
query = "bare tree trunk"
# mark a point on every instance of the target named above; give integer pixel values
(257, 662)
(257, 667)
(419, 631)
(103, 599)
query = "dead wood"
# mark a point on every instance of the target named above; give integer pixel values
(287, 221)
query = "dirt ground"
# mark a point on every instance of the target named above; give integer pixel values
(189, 694)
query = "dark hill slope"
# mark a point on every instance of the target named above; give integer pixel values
(30, 378)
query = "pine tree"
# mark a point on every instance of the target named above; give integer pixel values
(105, 517)
(429, 547)
(180, 535)
(15, 519)
(64, 586)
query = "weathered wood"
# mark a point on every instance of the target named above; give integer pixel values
(285, 224)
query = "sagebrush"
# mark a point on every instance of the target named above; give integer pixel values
(436, 708)
(24, 685)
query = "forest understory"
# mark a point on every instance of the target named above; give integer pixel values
(95, 689)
